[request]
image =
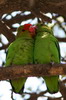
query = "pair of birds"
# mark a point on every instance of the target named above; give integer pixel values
(34, 45)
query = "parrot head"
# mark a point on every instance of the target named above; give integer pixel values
(43, 28)
(27, 28)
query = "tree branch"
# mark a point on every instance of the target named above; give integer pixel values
(4, 46)
(32, 70)
(63, 89)
(17, 19)
(61, 39)
(7, 32)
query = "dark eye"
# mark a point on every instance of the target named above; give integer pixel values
(23, 30)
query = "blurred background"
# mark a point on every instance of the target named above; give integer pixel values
(35, 88)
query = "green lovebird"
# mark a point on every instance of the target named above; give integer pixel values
(20, 52)
(46, 50)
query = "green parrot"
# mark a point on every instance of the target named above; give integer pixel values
(46, 50)
(20, 52)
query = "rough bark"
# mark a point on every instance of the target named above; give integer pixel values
(32, 70)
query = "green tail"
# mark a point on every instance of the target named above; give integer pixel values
(52, 83)
(18, 85)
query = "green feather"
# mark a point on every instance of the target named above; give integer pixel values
(20, 52)
(47, 51)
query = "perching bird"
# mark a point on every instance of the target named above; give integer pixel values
(46, 51)
(20, 52)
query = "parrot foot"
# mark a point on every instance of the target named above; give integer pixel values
(51, 63)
